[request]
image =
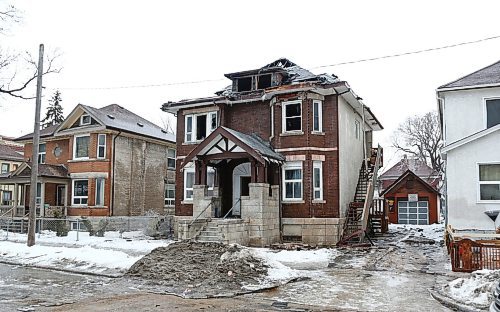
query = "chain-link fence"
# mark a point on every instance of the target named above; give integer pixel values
(153, 226)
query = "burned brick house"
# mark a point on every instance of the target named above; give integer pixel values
(277, 154)
(98, 162)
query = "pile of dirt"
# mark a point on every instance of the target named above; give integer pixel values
(200, 269)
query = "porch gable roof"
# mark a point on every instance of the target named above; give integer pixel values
(44, 170)
(226, 142)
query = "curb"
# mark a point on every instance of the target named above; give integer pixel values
(450, 303)
(43, 267)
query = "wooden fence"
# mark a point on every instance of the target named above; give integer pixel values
(469, 255)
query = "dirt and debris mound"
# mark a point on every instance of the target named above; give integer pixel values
(200, 269)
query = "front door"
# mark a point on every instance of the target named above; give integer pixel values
(241, 179)
(61, 195)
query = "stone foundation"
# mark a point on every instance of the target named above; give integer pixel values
(314, 231)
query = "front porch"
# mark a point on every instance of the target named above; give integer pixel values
(232, 182)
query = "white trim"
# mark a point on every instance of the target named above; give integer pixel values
(42, 153)
(317, 164)
(174, 158)
(283, 116)
(307, 148)
(189, 168)
(469, 139)
(469, 87)
(102, 191)
(85, 123)
(208, 125)
(73, 197)
(293, 166)
(479, 183)
(99, 135)
(74, 146)
(320, 116)
(169, 186)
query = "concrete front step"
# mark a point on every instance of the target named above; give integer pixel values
(209, 239)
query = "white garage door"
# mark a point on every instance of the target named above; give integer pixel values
(413, 212)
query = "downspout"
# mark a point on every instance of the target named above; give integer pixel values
(112, 199)
(271, 106)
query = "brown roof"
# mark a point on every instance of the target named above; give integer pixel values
(46, 170)
(7, 152)
(417, 166)
(403, 176)
(46, 132)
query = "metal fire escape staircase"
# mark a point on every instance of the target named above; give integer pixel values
(358, 215)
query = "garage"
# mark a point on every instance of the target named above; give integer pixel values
(414, 212)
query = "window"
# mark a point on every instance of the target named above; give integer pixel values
(101, 146)
(489, 182)
(292, 116)
(81, 147)
(357, 129)
(318, 180)
(85, 120)
(492, 112)
(199, 126)
(80, 192)
(169, 195)
(99, 191)
(5, 168)
(38, 198)
(41, 153)
(78, 226)
(264, 81)
(317, 116)
(171, 158)
(6, 198)
(188, 182)
(245, 84)
(292, 181)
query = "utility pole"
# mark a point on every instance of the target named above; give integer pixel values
(34, 157)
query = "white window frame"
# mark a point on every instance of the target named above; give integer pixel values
(42, 155)
(479, 183)
(73, 197)
(485, 110)
(169, 157)
(74, 146)
(82, 123)
(189, 168)
(293, 166)
(8, 168)
(100, 135)
(283, 116)
(320, 116)
(38, 196)
(317, 164)
(208, 125)
(99, 201)
(169, 201)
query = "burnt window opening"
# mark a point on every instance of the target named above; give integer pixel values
(264, 81)
(245, 84)
(201, 127)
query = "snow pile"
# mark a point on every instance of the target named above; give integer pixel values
(107, 255)
(475, 289)
(423, 233)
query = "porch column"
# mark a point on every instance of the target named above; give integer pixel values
(42, 199)
(261, 173)
(66, 190)
(253, 170)
(15, 196)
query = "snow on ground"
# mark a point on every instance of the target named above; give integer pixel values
(111, 254)
(432, 231)
(475, 289)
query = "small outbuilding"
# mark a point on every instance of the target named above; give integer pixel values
(410, 198)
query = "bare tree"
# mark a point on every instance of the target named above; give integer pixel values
(420, 136)
(18, 72)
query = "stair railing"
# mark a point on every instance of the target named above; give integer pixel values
(231, 210)
(200, 214)
(11, 211)
(369, 195)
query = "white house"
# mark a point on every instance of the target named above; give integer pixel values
(469, 109)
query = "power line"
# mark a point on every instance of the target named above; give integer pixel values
(316, 67)
(409, 53)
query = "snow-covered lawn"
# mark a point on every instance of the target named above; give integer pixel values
(112, 254)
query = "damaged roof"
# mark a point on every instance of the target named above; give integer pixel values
(486, 76)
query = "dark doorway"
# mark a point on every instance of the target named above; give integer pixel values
(61, 195)
(244, 188)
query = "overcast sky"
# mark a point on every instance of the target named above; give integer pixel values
(128, 43)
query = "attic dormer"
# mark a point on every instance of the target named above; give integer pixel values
(255, 80)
